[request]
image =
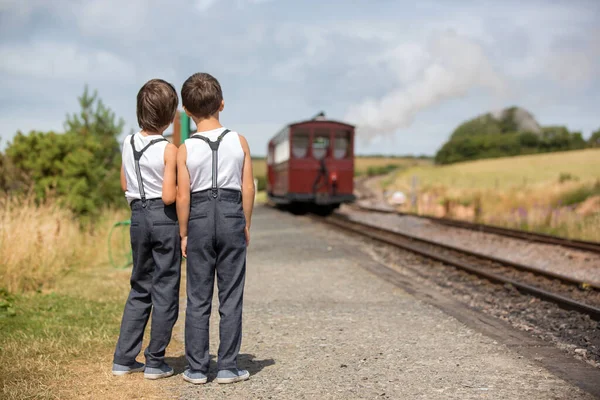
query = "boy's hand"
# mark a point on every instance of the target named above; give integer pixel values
(247, 232)
(184, 246)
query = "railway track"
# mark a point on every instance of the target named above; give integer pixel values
(593, 247)
(566, 292)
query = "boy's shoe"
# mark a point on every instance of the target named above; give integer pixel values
(163, 371)
(232, 375)
(196, 378)
(120, 370)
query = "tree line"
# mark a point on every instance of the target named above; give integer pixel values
(487, 137)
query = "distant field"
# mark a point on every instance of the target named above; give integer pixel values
(259, 167)
(362, 164)
(556, 193)
(505, 173)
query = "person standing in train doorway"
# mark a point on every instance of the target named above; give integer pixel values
(215, 197)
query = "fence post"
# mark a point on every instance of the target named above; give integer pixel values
(413, 193)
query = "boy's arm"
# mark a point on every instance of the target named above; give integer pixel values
(183, 196)
(169, 186)
(123, 180)
(247, 183)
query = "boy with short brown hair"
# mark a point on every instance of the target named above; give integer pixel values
(148, 177)
(215, 196)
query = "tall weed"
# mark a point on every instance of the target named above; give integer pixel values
(41, 242)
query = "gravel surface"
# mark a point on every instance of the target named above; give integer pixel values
(319, 326)
(570, 262)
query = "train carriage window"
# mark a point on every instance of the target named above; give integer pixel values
(320, 143)
(270, 155)
(341, 144)
(300, 143)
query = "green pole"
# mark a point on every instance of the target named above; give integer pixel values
(185, 126)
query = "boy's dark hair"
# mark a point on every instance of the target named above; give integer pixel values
(156, 105)
(201, 95)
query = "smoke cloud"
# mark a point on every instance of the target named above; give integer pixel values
(449, 67)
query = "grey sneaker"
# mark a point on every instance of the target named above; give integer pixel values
(196, 378)
(120, 370)
(232, 375)
(163, 371)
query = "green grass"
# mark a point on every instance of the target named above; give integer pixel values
(59, 343)
(44, 333)
(579, 194)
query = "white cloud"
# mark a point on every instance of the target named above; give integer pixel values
(63, 61)
(124, 20)
(203, 5)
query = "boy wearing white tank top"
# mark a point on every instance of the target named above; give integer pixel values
(148, 177)
(215, 196)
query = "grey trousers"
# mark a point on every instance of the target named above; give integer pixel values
(216, 243)
(155, 282)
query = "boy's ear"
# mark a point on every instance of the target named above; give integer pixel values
(187, 112)
(222, 105)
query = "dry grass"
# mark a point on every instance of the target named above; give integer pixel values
(259, 167)
(537, 192)
(59, 325)
(38, 244)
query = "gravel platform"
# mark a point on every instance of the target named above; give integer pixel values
(565, 261)
(317, 325)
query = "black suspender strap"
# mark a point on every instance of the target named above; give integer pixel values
(137, 155)
(214, 146)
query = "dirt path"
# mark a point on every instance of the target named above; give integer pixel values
(317, 325)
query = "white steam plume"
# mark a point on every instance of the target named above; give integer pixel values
(449, 68)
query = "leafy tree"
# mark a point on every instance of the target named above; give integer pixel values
(81, 166)
(594, 140)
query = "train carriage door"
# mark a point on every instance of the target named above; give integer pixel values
(321, 145)
(271, 168)
(300, 139)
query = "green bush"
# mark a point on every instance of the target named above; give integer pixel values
(261, 183)
(579, 195)
(594, 140)
(381, 170)
(80, 167)
(566, 176)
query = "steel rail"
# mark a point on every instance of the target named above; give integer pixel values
(584, 245)
(410, 243)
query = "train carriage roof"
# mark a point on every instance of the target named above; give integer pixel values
(320, 117)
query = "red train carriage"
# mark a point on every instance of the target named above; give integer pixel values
(312, 163)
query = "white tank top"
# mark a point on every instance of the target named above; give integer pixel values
(152, 166)
(199, 161)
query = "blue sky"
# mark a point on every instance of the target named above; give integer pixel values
(407, 73)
